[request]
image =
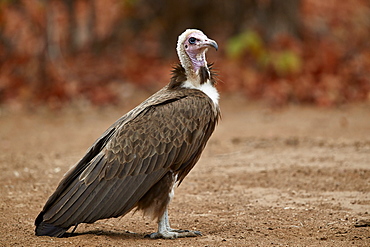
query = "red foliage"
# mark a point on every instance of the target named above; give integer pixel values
(331, 61)
(335, 55)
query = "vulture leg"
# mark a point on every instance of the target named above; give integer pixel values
(165, 231)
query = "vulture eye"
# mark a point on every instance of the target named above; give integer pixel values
(192, 40)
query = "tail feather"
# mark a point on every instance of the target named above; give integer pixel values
(46, 229)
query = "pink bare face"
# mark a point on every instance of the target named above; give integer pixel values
(196, 45)
(197, 42)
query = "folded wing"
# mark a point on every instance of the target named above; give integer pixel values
(164, 134)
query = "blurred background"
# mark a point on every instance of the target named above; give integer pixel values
(313, 52)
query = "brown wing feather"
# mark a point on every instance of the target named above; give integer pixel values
(165, 133)
(71, 176)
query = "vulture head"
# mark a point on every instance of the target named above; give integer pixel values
(192, 46)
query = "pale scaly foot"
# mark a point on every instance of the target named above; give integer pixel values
(166, 232)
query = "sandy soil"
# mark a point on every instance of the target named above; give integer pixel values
(297, 176)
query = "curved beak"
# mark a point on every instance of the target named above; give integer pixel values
(210, 43)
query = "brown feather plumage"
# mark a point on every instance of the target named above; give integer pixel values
(134, 161)
(178, 76)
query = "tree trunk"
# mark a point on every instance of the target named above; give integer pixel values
(277, 16)
(72, 42)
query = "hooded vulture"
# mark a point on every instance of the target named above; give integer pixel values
(137, 161)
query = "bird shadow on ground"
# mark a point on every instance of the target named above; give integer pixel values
(122, 235)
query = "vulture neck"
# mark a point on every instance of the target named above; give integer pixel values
(195, 65)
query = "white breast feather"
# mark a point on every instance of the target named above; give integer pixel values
(206, 88)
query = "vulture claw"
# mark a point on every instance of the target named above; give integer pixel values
(173, 234)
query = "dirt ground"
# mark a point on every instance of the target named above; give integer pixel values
(295, 176)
